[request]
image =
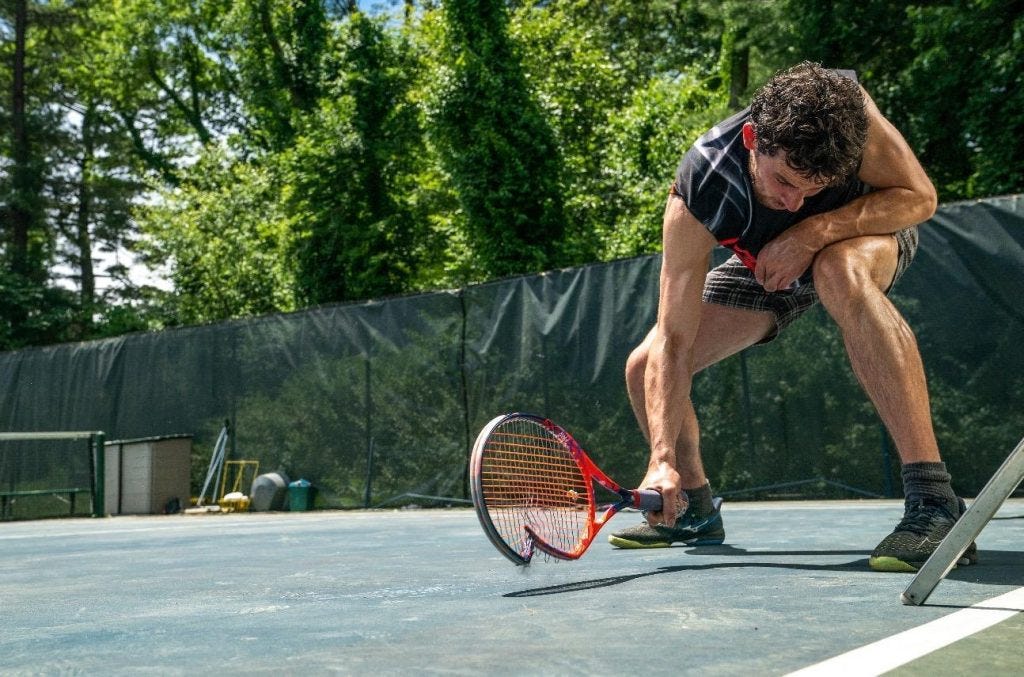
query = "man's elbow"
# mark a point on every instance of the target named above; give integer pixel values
(931, 202)
(920, 203)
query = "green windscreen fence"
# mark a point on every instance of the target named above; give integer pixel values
(377, 403)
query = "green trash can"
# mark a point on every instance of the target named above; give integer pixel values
(300, 496)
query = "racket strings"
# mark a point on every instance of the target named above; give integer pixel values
(529, 478)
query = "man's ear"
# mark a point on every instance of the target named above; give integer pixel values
(749, 138)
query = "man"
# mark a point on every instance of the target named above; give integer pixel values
(818, 196)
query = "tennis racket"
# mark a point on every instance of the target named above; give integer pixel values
(533, 489)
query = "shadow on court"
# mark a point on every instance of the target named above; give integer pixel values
(424, 592)
(857, 565)
(1003, 568)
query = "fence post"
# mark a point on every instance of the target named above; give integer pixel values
(98, 443)
(368, 405)
(886, 462)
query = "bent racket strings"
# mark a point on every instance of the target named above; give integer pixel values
(533, 489)
(525, 475)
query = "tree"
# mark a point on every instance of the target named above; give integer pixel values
(496, 144)
(33, 309)
(644, 142)
(453, 142)
(96, 181)
(357, 235)
(316, 214)
(25, 239)
(627, 87)
(165, 70)
(23, 209)
(209, 94)
(972, 148)
(279, 49)
(969, 148)
(226, 237)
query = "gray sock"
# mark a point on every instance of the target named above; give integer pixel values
(929, 480)
(700, 500)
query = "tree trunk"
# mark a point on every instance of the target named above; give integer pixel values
(21, 214)
(83, 217)
(739, 69)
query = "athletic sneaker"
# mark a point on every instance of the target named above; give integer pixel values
(688, 529)
(926, 521)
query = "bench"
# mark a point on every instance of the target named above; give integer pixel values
(5, 496)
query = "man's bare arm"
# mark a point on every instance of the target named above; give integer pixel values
(903, 196)
(687, 250)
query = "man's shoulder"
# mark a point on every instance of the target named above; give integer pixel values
(711, 179)
(720, 148)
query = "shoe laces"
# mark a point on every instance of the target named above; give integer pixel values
(922, 513)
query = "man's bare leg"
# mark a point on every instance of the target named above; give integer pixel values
(850, 278)
(723, 332)
(883, 353)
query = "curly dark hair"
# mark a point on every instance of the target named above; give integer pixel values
(817, 116)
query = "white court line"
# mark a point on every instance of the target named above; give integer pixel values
(892, 652)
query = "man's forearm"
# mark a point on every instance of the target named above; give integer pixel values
(880, 212)
(667, 382)
(672, 421)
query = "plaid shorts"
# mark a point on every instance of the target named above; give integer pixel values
(732, 284)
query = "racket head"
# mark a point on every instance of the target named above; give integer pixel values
(530, 488)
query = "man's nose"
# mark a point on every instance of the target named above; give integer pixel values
(793, 199)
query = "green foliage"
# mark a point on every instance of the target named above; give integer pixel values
(496, 143)
(37, 195)
(278, 50)
(274, 155)
(643, 146)
(32, 314)
(973, 146)
(164, 71)
(357, 232)
(463, 141)
(962, 121)
(226, 238)
(622, 111)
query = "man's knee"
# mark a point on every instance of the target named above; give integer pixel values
(636, 366)
(849, 269)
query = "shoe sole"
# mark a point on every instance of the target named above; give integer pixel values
(637, 545)
(898, 566)
(891, 565)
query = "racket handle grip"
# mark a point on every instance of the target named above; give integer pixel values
(647, 499)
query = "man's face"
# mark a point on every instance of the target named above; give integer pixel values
(777, 185)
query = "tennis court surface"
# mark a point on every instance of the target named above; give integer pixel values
(424, 592)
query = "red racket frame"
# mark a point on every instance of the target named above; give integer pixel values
(530, 507)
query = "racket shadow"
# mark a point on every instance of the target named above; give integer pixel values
(999, 567)
(857, 565)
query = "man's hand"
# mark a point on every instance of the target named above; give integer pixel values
(783, 260)
(665, 479)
